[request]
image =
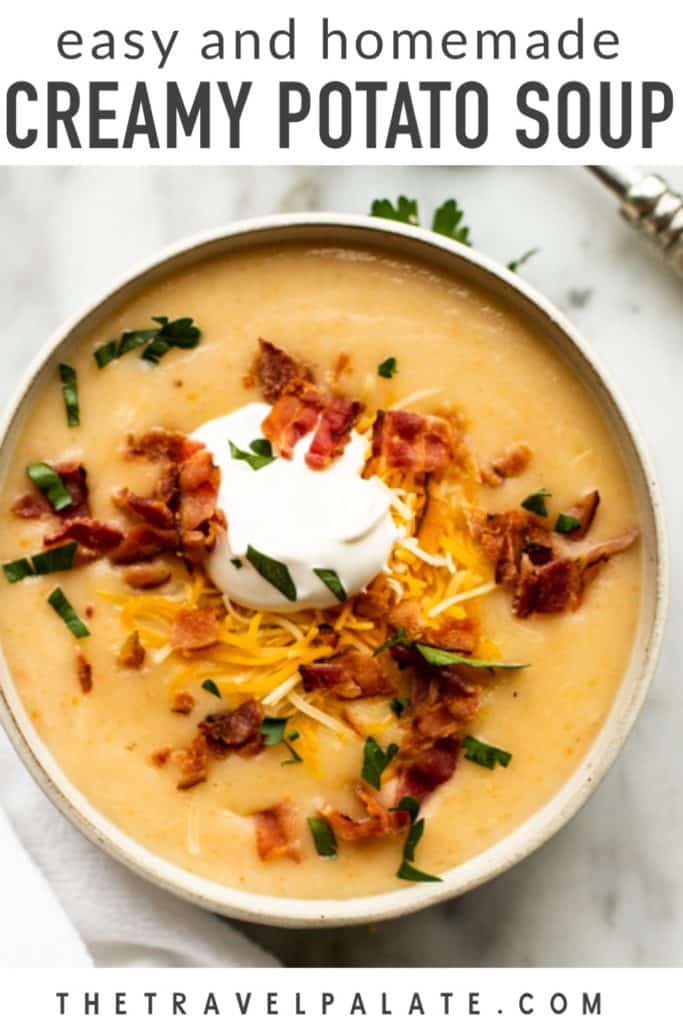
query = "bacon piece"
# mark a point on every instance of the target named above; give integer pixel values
(91, 533)
(183, 703)
(153, 511)
(194, 628)
(348, 675)
(415, 443)
(143, 542)
(84, 669)
(274, 828)
(506, 536)
(380, 821)
(275, 370)
(512, 462)
(194, 763)
(36, 506)
(293, 416)
(159, 444)
(454, 635)
(558, 585)
(147, 576)
(333, 431)
(238, 730)
(584, 512)
(199, 481)
(427, 769)
(376, 601)
(132, 653)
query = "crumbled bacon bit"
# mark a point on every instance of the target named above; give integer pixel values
(454, 635)
(132, 653)
(238, 730)
(194, 629)
(151, 510)
(427, 769)
(506, 536)
(415, 443)
(342, 365)
(293, 416)
(348, 675)
(512, 462)
(159, 444)
(333, 431)
(275, 369)
(380, 821)
(93, 534)
(183, 702)
(143, 542)
(376, 601)
(584, 512)
(84, 669)
(194, 763)
(274, 828)
(147, 576)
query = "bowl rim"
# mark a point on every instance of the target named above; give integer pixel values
(505, 853)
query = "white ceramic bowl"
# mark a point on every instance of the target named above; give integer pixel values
(472, 266)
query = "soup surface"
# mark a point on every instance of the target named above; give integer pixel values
(122, 724)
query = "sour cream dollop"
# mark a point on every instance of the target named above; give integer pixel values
(305, 519)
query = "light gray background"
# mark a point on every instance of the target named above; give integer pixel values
(608, 889)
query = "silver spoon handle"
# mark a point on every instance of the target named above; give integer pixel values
(651, 206)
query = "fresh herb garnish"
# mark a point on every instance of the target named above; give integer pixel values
(388, 368)
(446, 221)
(211, 687)
(157, 341)
(536, 502)
(514, 265)
(332, 582)
(438, 657)
(401, 637)
(273, 732)
(407, 871)
(50, 483)
(66, 612)
(375, 760)
(399, 704)
(404, 211)
(237, 562)
(53, 560)
(261, 453)
(484, 754)
(566, 523)
(69, 380)
(276, 573)
(323, 837)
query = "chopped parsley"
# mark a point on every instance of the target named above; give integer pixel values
(323, 837)
(61, 604)
(331, 580)
(409, 873)
(514, 265)
(274, 572)
(447, 221)
(211, 687)
(154, 341)
(237, 562)
(388, 368)
(407, 870)
(261, 453)
(273, 732)
(375, 760)
(69, 380)
(484, 754)
(399, 704)
(50, 483)
(536, 502)
(52, 560)
(404, 211)
(401, 637)
(438, 657)
(566, 523)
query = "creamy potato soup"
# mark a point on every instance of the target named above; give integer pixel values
(323, 581)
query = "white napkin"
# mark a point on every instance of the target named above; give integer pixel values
(67, 904)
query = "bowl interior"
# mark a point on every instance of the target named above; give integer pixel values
(471, 267)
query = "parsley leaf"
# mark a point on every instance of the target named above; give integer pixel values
(323, 837)
(409, 873)
(69, 380)
(514, 265)
(399, 704)
(261, 453)
(61, 604)
(566, 523)
(276, 573)
(536, 502)
(50, 483)
(388, 368)
(331, 580)
(407, 870)
(404, 211)
(273, 732)
(211, 687)
(439, 658)
(401, 637)
(484, 754)
(375, 760)
(157, 341)
(447, 221)
(52, 560)
(19, 570)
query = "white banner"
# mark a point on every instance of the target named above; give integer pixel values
(341, 83)
(485, 996)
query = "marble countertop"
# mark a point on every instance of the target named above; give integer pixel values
(607, 890)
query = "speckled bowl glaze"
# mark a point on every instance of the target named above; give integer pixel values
(404, 241)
